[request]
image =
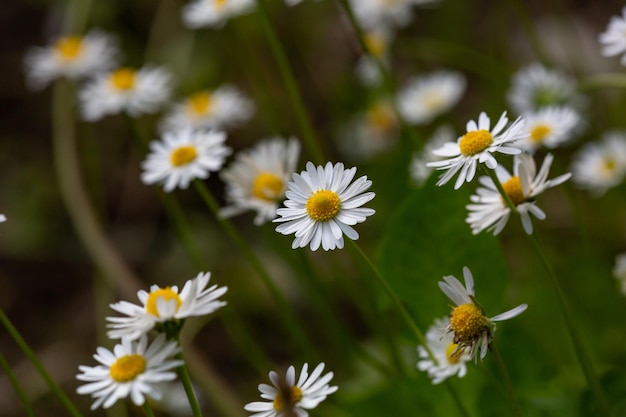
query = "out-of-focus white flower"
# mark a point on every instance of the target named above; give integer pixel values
(549, 127)
(619, 271)
(378, 41)
(213, 13)
(613, 40)
(398, 13)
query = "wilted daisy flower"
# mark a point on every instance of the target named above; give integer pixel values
(286, 397)
(322, 206)
(257, 179)
(162, 305)
(132, 370)
(602, 165)
(372, 13)
(213, 13)
(549, 127)
(377, 40)
(468, 323)
(223, 108)
(135, 92)
(613, 40)
(490, 211)
(428, 96)
(449, 359)
(70, 56)
(619, 271)
(183, 156)
(419, 169)
(477, 146)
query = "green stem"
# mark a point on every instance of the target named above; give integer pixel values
(602, 81)
(508, 386)
(16, 386)
(38, 365)
(147, 410)
(183, 374)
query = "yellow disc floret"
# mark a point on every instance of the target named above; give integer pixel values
(123, 79)
(289, 396)
(513, 188)
(381, 117)
(200, 104)
(183, 155)
(165, 293)
(474, 142)
(267, 186)
(220, 3)
(376, 44)
(468, 322)
(69, 47)
(539, 133)
(323, 205)
(127, 368)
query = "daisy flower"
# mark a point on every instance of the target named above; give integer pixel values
(450, 360)
(3, 218)
(322, 206)
(377, 40)
(490, 211)
(601, 165)
(72, 57)
(213, 13)
(183, 156)
(132, 370)
(398, 13)
(428, 96)
(468, 323)
(619, 271)
(550, 127)
(613, 40)
(257, 179)
(162, 305)
(286, 397)
(135, 92)
(419, 169)
(223, 108)
(477, 146)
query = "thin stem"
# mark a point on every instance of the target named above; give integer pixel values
(183, 374)
(54, 387)
(16, 386)
(602, 81)
(508, 385)
(147, 409)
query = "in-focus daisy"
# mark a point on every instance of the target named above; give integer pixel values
(468, 323)
(378, 41)
(428, 96)
(449, 359)
(477, 146)
(213, 13)
(613, 40)
(489, 210)
(322, 205)
(601, 165)
(257, 179)
(70, 56)
(398, 13)
(162, 305)
(135, 92)
(619, 271)
(183, 156)
(222, 108)
(419, 169)
(549, 127)
(132, 370)
(286, 397)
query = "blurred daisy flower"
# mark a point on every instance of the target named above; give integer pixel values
(213, 13)
(477, 146)
(378, 41)
(286, 397)
(3, 218)
(257, 179)
(428, 96)
(613, 40)
(396, 13)
(135, 92)
(619, 271)
(489, 210)
(223, 108)
(183, 156)
(419, 169)
(549, 127)
(132, 370)
(468, 323)
(450, 360)
(70, 56)
(601, 165)
(322, 205)
(165, 307)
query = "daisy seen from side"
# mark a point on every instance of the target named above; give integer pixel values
(213, 13)
(396, 13)
(613, 40)
(549, 127)
(378, 41)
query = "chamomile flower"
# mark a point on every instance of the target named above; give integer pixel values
(549, 127)
(419, 169)
(286, 397)
(398, 13)
(613, 40)
(477, 146)
(378, 41)
(162, 305)
(470, 327)
(222, 108)
(489, 210)
(425, 97)
(132, 369)
(183, 156)
(72, 57)
(135, 92)
(449, 360)
(322, 205)
(257, 179)
(619, 271)
(3, 218)
(213, 13)
(601, 165)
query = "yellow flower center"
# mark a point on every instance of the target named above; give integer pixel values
(474, 142)
(127, 368)
(513, 188)
(375, 43)
(200, 104)
(165, 293)
(123, 79)
(323, 205)
(433, 101)
(220, 3)
(287, 396)
(468, 322)
(69, 47)
(183, 155)
(381, 117)
(453, 354)
(609, 165)
(539, 133)
(267, 186)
